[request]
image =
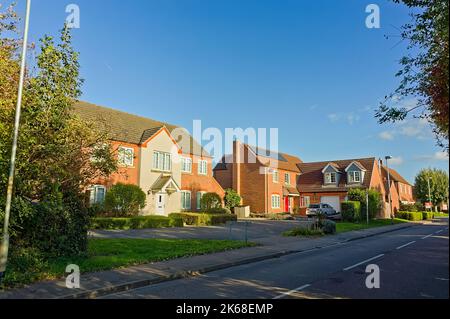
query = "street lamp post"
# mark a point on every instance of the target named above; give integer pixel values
(429, 192)
(389, 185)
(4, 247)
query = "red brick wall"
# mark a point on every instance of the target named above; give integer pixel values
(194, 182)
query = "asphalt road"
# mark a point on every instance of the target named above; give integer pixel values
(413, 263)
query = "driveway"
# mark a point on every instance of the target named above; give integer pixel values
(260, 231)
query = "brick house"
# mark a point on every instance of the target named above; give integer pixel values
(329, 182)
(403, 188)
(266, 181)
(163, 159)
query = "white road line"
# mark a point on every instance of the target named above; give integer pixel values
(439, 231)
(427, 236)
(363, 262)
(292, 291)
(405, 245)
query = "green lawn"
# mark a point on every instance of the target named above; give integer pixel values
(342, 227)
(105, 254)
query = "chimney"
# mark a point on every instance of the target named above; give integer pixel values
(238, 148)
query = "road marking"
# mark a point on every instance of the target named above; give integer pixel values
(405, 245)
(427, 236)
(292, 291)
(439, 231)
(363, 262)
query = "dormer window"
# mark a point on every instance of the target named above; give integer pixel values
(330, 178)
(354, 177)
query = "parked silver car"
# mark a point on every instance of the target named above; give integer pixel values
(326, 209)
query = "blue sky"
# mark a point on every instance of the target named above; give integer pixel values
(310, 68)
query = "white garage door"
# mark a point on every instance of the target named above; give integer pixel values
(333, 201)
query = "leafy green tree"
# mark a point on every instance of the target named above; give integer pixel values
(232, 198)
(210, 201)
(359, 195)
(424, 74)
(438, 186)
(125, 200)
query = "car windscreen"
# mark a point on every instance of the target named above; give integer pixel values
(314, 206)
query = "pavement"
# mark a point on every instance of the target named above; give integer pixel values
(94, 285)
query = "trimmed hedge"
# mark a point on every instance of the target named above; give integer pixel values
(136, 222)
(204, 219)
(219, 210)
(351, 211)
(413, 216)
(427, 215)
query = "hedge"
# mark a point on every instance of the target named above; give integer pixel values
(136, 222)
(351, 211)
(413, 216)
(203, 219)
(427, 215)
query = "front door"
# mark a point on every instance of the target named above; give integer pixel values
(160, 204)
(287, 205)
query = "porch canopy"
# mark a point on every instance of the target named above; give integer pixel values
(290, 191)
(165, 183)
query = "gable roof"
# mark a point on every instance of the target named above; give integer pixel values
(394, 175)
(311, 178)
(284, 161)
(134, 129)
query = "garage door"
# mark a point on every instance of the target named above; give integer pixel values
(333, 201)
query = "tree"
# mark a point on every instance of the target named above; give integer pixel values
(210, 201)
(232, 198)
(359, 195)
(438, 186)
(125, 200)
(424, 74)
(55, 148)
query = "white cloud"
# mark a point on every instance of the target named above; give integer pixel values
(333, 117)
(396, 161)
(388, 136)
(352, 118)
(438, 156)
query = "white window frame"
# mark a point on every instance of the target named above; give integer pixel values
(122, 157)
(199, 196)
(186, 205)
(329, 179)
(186, 165)
(162, 161)
(352, 176)
(94, 194)
(287, 178)
(305, 201)
(275, 176)
(276, 201)
(202, 167)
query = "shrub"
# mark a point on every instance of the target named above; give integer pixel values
(210, 201)
(141, 222)
(232, 198)
(124, 200)
(303, 231)
(416, 207)
(351, 211)
(427, 215)
(329, 227)
(203, 219)
(219, 210)
(412, 216)
(375, 202)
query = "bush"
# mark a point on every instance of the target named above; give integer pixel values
(303, 231)
(412, 216)
(210, 201)
(203, 219)
(375, 201)
(416, 207)
(124, 200)
(219, 210)
(329, 227)
(351, 211)
(141, 222)
(427, 215)
(232, 198)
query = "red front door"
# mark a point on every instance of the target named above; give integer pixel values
(287, 205)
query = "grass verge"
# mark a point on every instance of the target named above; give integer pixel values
(106, 254)
(342, 227)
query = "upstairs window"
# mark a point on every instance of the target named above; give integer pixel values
(202, 167)
(186, 165)
(162, 161)
(354, 177)
(330, 178)
(287, 179)
(275, 176)
(126, 156)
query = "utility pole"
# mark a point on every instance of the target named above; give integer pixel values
(5, 240)
(429, 192)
